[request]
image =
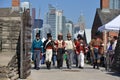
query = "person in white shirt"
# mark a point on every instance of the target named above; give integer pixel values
(69, 48)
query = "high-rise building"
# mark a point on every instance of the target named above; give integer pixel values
(38, 23)
(59, 21)
(114, 4)
(68, 29)
(81, 22)
(46, 29)
(33, 17)
(25, 5)
(79, 28)
(76, 29)
(50, 19)
(55, 19)
(64, 28)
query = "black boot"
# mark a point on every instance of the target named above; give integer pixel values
(35, 66)
(97, 65)
(49, 65)
(94, 65)
(58, 64)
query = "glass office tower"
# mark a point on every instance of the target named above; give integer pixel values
(54, 18)
(114, 4)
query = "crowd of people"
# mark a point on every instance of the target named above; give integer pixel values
(52, 51)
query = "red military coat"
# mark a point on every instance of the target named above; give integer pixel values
(80, 46)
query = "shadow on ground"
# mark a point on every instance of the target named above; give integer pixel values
(114, 74)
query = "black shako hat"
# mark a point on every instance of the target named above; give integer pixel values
(37, 35)
(79, 36)
(49, 35)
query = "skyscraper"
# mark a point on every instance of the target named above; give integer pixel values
(59, 21)
(79, 28)
(25, 5)
(81, 22)
(54, 18)
(38, 23)
(64, 28)
(68, 29)
(50, 19)
(33, 17)
(114, 4)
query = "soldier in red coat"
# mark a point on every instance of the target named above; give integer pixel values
(80, 50)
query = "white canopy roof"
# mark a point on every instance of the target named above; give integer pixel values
(113, 25)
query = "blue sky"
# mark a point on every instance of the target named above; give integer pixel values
(72, 8)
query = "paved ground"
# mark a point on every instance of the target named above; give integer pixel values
(88, 73)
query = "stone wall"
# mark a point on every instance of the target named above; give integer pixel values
(0, 38)
(4, 73)
(9, 30)
(13, 73)
(9, 34)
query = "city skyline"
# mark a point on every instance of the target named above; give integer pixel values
(72, 9)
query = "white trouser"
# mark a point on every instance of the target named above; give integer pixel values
(81, 59)
(48, 55)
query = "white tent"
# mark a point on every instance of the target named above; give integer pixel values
(113, 25)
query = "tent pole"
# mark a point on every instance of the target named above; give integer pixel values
(105, 40)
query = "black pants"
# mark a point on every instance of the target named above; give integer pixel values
(76, 59)
(60, 53)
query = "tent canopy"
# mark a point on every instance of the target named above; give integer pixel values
(113, 25)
